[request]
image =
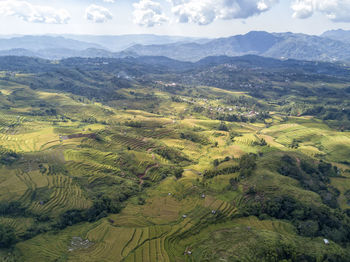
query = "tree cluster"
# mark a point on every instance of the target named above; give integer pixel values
(312, 177)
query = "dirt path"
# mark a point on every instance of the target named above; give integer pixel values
(146, 171)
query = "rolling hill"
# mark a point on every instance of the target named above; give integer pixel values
(339, 35)
(153, 159)
(276, 45)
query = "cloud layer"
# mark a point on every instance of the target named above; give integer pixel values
(34, 13)
(204, 12)
(97, 14)
(148, 13)
(335, 10)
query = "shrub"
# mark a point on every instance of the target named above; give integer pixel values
(247, 165)
(7, 236)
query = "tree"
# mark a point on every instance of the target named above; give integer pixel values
(263, 142)
(295, 143)
(308, 228)
(216, 162)
(178, 172)
(247, 164)
(7, 236)
(234, 183)
(223, 127)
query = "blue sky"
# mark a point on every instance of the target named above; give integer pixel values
(203, 18)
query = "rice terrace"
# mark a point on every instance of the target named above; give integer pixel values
(142, 147)
(191, 173)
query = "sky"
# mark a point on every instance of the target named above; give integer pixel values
(199, 18)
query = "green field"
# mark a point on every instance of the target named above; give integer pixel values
(142, 172)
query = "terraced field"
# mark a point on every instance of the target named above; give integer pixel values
(20, 224)
(94, 160)
(65, 195)
(312, 141)
(60, 193)
(159, 230)
(136, 241)
(133, 143)
(247, 139)
(276, 226)
(29, 142)
(99, 168)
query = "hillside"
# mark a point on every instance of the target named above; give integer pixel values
(58, 47)
(153, 159)
(339, 35)
(276, 45)
(121, 42)
(35, 43)
(329, 47)
(61, 53)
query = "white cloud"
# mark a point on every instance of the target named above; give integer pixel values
(336, 10)
(148, 13)
(97, 14)
(34, 13)
(204, 12)
(109, 1)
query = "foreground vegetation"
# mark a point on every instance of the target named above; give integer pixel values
(152, 160)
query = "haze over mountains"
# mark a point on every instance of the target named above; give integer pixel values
(330, 46)
(340, 35)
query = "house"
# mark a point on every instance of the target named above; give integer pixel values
(326, 241)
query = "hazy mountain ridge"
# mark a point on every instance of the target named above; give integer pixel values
(331, 46)
(62, 53)
(35, 43)
(310, 48)
(340, 35)
(251, 43)
(135, 65)
(276, 45)
(120, 42)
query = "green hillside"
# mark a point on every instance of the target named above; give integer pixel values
(240, 160)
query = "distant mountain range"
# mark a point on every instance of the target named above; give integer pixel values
(120, 43)
(61, 53)
(330, 46)
(340, 35)
(35, 43)
(276, 45)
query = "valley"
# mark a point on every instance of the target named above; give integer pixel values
(153, 159)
